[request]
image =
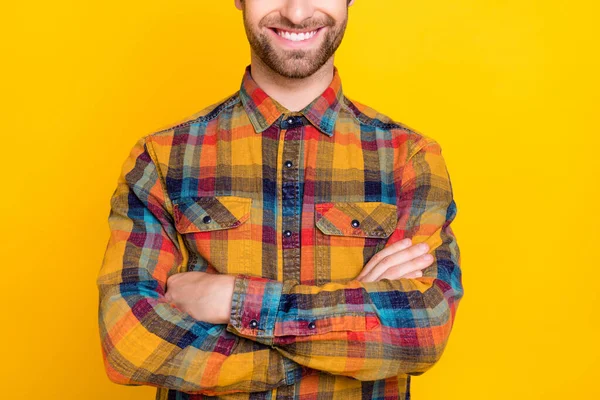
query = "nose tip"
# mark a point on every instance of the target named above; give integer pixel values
(297, 11)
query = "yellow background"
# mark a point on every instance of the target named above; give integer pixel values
(509, 88)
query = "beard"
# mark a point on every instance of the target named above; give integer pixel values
(296, 63)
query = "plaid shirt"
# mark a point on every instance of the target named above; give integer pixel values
(293, 204)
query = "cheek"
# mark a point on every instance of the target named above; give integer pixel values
(337, 9)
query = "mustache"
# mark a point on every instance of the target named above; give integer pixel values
(285, 23)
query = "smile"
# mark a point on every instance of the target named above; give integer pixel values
(296, 37)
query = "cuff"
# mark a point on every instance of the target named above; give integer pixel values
(254, 307)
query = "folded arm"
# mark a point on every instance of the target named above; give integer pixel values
(145, 340)
(369, 330)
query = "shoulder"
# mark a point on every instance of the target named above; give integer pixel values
(203, 116)
(164, 141)
(405, 136)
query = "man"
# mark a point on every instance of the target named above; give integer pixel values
(284, 243)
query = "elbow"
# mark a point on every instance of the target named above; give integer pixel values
(425, 360)
(116, 375)
(431, 342)
(117, 367)
(418, 349)
(122, 370)
(413, 338)
(121, 379)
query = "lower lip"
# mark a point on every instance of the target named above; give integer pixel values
(299, 44)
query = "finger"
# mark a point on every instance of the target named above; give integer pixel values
(397, 259)
(377, 257)
(413, 274)
(399, 271)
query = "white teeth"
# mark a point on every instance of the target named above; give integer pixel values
(296, 37)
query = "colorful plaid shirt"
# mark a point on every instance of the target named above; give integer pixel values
(293, 204)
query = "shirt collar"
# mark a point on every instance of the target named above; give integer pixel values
(263, 110)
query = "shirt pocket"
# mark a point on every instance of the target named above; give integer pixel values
(216, 228)
(348, 234)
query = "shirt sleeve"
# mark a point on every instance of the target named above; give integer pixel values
(144, 339)
(369, 330)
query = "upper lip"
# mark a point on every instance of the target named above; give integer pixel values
(296, 30)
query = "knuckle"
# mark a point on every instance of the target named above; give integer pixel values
(413, 252)
(412, 265)
(418, 250)
(393, 272)
(376, 257)
(384, 261)
(427, 258)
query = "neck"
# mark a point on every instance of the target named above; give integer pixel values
(293, 94)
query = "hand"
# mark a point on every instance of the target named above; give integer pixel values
(205, 297)
(400, 260)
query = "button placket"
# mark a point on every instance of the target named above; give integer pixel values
(290, 195)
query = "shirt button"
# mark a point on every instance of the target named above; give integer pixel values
(288, 164)
(253, 324)
(287, 233)
(206, 219)
(355, 223)
(312, 325)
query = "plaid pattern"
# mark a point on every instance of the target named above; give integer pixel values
(293, 204)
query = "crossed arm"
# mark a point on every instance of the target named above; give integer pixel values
(275, 332)
(144, 339)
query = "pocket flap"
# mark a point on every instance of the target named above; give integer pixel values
(367, 219)
(209, 213)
